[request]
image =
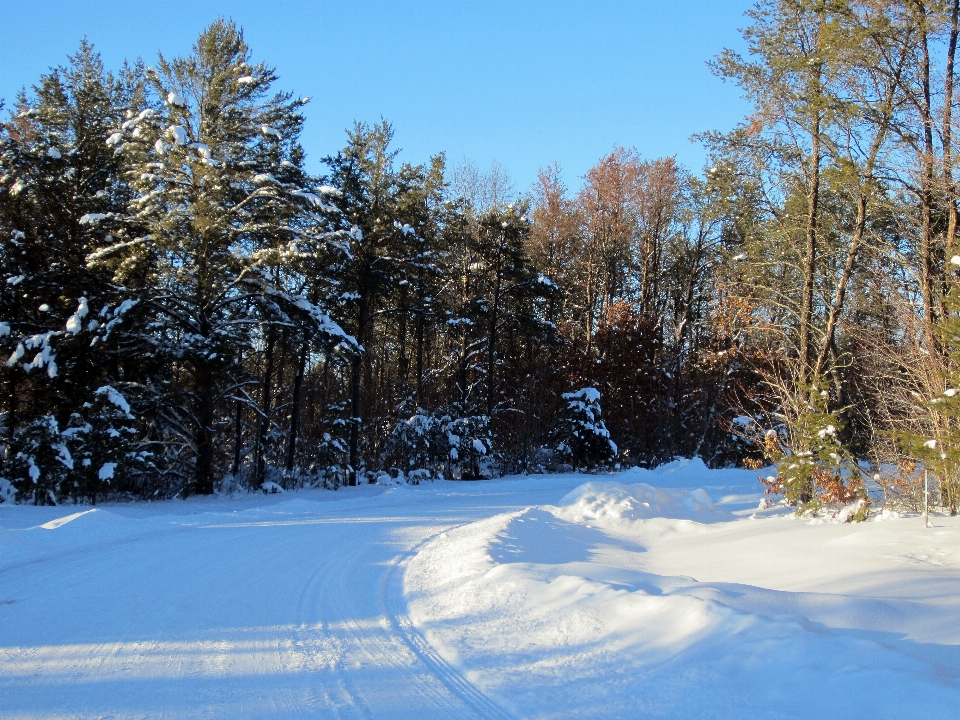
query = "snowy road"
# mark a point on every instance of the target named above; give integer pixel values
(289, 609)
(461, 600)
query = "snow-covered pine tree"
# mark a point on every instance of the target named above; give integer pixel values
(491, 304)
(39, 461)
(413, 445)
(813, 467)
(386, 218)
(60, 198)
(469, 444)
(583, 440)
(223, 210)
(104, 456)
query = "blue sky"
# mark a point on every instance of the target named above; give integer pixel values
(523, 82)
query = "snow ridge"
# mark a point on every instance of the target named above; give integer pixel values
(403, 625)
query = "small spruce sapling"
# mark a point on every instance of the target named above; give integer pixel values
(813, 467)
(469, 445)
(40, 461)
(102, 437)
(584, 440)
(414, 445)
(939, 450)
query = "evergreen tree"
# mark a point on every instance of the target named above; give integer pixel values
(222, 200)
(39, 461)
(584, 441)
(813, 466)
(387, 222)
(60, 198)
(104, 457)
(938, 448)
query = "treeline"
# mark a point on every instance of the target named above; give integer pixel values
(184, 305)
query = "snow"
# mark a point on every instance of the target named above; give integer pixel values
(115, 398)
(661, 593)
(179, 134)
(74, 322)
(60, 522)
(588, 394)
(619, 502)
(849, 511)
(92, 218)
(17, 353)
(202, 149)
(828, 430)
(175, 99)
(314, 200)
(106, 471)
(54, 153)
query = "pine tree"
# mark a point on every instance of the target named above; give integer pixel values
(813, 466)
(39, 461)
(938, 448)
(224, 206)
(388, 222)
(583, 438)
(104, 456)
(60, 198)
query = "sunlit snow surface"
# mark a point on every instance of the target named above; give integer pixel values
(641, 594)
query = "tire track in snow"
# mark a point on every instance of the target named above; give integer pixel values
(392, 594)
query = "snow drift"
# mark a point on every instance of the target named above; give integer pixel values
(567, 606)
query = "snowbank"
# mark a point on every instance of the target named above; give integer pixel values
(588, 608)
(618, 502)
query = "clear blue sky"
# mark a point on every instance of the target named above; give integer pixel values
(523, 82)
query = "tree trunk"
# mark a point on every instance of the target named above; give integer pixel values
(266, 400)
(356, 371)
(420, 402)
(951, 188)
(837, 306)
(237, 440)
(403, 364)
(203, 438)
(810, 258)
(860, 227)
(927, 270)
(295, 409)
(492, 344)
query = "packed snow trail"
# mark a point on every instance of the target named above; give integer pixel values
(634, 595)
(256, 607)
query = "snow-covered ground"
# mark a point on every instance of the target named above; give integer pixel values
(633, 595)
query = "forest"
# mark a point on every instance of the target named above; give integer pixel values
(184, 309)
